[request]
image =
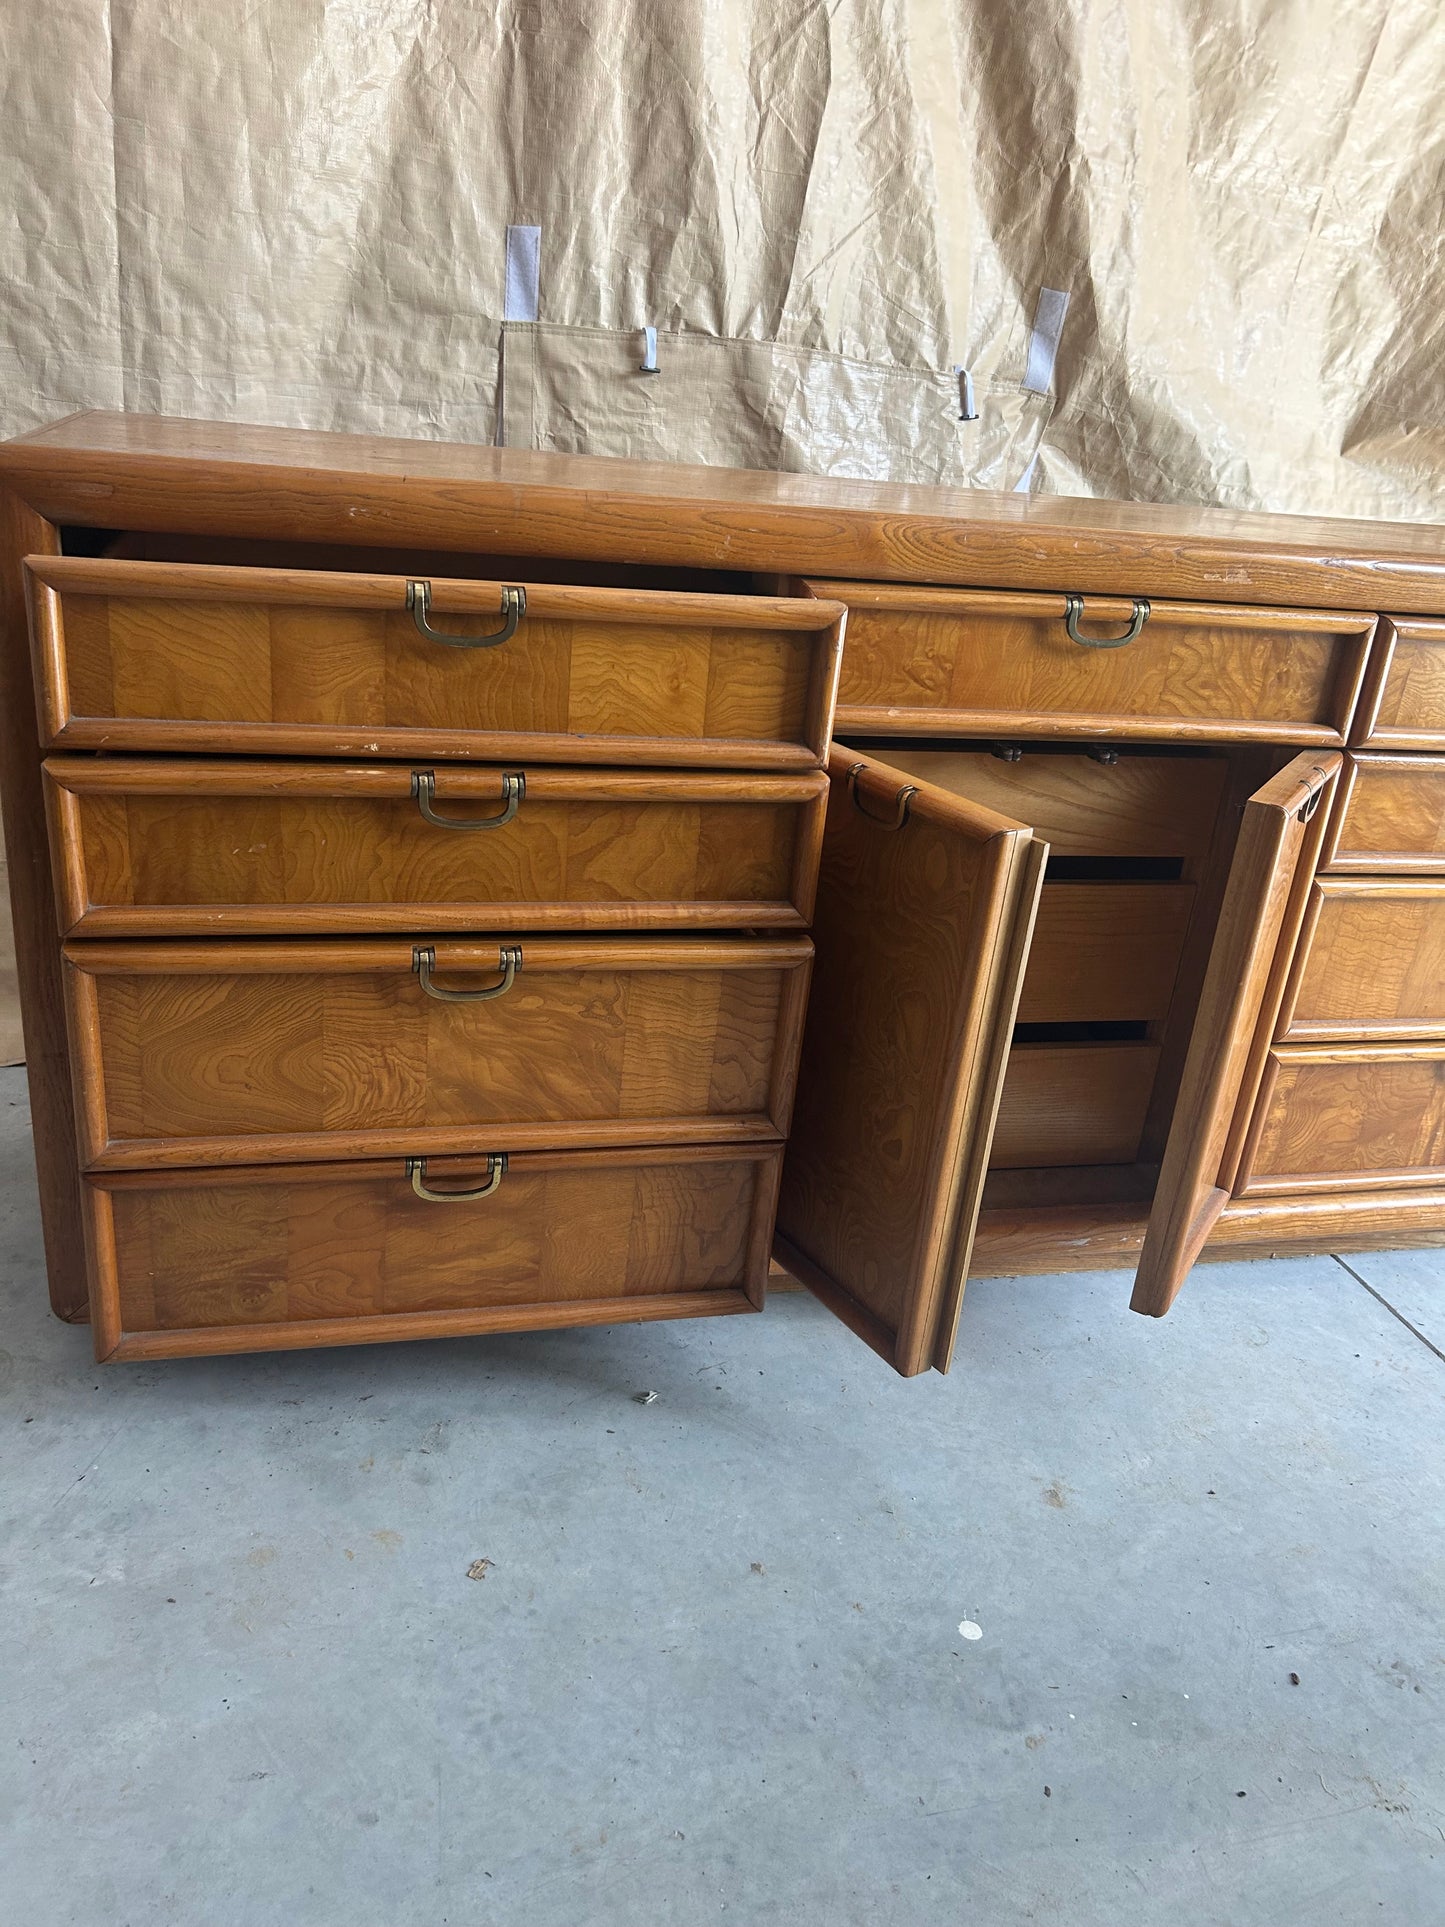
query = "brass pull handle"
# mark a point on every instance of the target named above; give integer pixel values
(1312, 801)
(424, 789)
(514, 607)
(416, 1171)
(1074, 608)
(424, 962)
(904, 798)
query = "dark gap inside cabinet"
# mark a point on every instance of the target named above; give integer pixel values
(239, 552)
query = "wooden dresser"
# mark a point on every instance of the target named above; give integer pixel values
(418, 855)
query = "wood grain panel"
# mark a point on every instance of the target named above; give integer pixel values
(257, 1256)
(133, 471)
(1105, 952)
(1264, 903)
(1390, 815)
(186, 848)
(1141, 805)
(148, 655)
(1403, 704)
(995, 664)
(215, 1052)
(1371, 961)
(1342, 1118)
(1073, 1104)
(922, 934)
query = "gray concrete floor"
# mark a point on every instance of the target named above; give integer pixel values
(714, 1669)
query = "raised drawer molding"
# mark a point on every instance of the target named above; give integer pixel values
(184, 847)
(1404, 701)
(189, 1052)
(1391, 815)
(985, 662)
(461, 892)
(141, 655)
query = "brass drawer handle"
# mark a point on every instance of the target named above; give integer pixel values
(904, 798)
(424, 789)
(1074, 608)
(416, 1171)
(424, 962)
(514, 607)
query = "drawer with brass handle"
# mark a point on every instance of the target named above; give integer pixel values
(183, 657)
(259, 1257)
(190, 848)
(984, 662)
(200, 1053)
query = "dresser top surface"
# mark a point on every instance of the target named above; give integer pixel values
(164, 473)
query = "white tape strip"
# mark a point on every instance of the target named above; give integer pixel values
(1044, 341)
(524, 274)
(967, 407)
(648, 364)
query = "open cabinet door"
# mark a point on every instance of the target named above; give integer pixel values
(925, 910)
(1264, 900)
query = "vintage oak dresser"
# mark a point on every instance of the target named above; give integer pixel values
(418, 855)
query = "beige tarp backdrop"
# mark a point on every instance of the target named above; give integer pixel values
(295, 211)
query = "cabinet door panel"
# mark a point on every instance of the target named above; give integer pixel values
(1264, 903)
(925, 909)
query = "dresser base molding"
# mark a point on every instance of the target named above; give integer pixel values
(1018, 1243)
(1067, 1238)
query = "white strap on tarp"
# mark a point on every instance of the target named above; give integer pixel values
(524, 274)
(648, 364)
(1044, 339)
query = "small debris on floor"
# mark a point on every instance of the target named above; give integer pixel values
(644, 1398)
(1048, 1793)
(1294, 1679)
(479, 1568)
(970, 1629)
(758, 1567)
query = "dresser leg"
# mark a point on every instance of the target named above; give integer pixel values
(32, 903)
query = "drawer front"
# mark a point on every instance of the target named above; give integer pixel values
(254, 1258)
(1336, 1118)
(1403, 706)
(990, 663)
(1371, 962)
(179, 657)
(1390, 816)
(1073, 1104)
(175, 848)
(1105, 952)
(195, 1053)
